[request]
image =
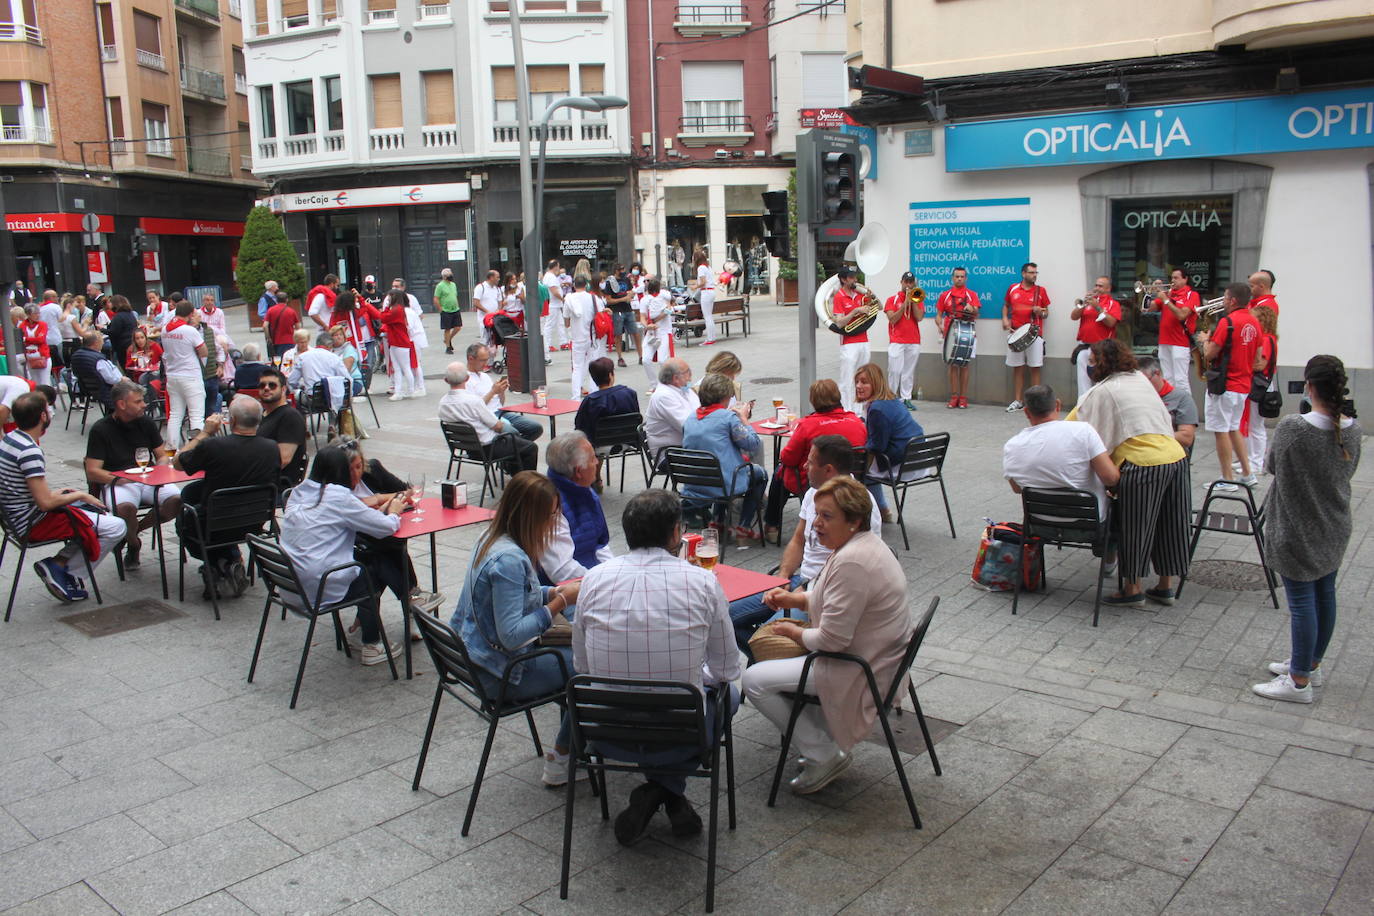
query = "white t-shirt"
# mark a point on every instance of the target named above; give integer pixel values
(50, 313)
(512, 304)
(669, 409)
(319, 308)
(479, 383)
(487, 297)
(1055, 455)
(658, 311)
(11, 387)
(415, 326)
(460, 404)
(814, 553)
(580, 308)
(704, 280)
(179, 356)
(550, 280)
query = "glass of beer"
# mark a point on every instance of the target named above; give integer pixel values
(708, 551)
(142, 457)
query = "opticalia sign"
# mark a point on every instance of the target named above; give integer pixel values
(1275, 124)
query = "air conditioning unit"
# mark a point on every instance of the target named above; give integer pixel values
(722, 154)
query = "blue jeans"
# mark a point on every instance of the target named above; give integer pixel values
(525, 428)
(671, 765)
(1312, 617)
(748, 613)
(540, 676)
(876, 491)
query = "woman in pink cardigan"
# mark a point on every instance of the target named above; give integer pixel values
(857, 604)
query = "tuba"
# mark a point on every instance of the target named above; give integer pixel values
(869, 250)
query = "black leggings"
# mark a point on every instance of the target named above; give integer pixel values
(389, 564)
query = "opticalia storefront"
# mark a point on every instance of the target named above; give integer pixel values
(1217, 188)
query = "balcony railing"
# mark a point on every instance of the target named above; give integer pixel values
(241, 83)
(596, 130)
(267, 149)
(300, 146)
(151, 59)
(559, 132)
(387, 139)
(202, 82)
(18, 133)
(15, 31)
(334, 141)
(548, 6)
(694, 20)
(109, 52)
(204, 7)
(204, 163)
(434, 12)
(246, 162)
(715, 124)
(381, 17)
(439, 136)
(158, 147)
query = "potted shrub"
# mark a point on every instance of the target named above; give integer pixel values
(265, 254)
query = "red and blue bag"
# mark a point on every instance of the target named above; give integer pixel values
(999, 549)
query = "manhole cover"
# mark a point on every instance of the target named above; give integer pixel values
(120, 618)
(770, 380)
(907, 732)
(1231, 575)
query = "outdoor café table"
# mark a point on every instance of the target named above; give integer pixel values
(766, 427)
(157, 477)
(741, 583)
(435, 519)
(555, 408)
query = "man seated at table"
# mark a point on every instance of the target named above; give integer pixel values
(581, 538)
(1055, 454)
(649, 614)
(492, 391)
(94, 371)
(802, 558)
(284, 425)
(1179, 401)
(461, 404)
(607, 400)
(249, 369)
(313, 365)
(241, 459)
(113, 446)
(670, 406)
(39, 513)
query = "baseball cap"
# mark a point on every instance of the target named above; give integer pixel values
(845, 272)
(369, 279)
(908, 277)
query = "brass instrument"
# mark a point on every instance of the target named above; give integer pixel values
(870, 251)
(1209, 314)
(915, 303)
(862, 318)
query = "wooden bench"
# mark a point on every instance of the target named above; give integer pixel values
(726, 312)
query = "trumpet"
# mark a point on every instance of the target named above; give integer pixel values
(915, 301)
(1212, 308)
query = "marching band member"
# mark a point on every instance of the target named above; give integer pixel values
(1262, 290)
(1097, 316)
(958, 303)
(853, 347)
(1025, 303)
(1177, 324)
(904, 338)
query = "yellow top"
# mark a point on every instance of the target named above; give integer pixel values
(1144, 451)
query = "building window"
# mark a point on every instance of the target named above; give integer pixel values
(12, 110)
(386, 101)
(713, 97)
(434, 11)
(109, 44)
(245, 147)
(381, 12)
(24, 112)
(825, 83)
(333, 103)
(155, 130)
(114, 111)
(439, 97)
(19, 21)
(148, 40)
(591, 79)
(300, 107)
(295, 14)
(547, 83)
(267, 112)
(240, 72)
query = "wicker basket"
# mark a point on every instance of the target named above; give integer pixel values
(767, 646)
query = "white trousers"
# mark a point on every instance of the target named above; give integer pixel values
(674, 274)
(1175, 363)
(764, 684)
(1257, 440)
(655, 357)
(109, 529)
(402, 374)
(852, 356)
(40, 376)
(708, 308)
(901, 367)
(1080, 366)
(187, 396)
(551, 327)
(581, 352)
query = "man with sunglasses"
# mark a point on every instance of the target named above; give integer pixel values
(283, 424)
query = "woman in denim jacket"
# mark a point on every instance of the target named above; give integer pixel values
(725, 432)
(503, 609)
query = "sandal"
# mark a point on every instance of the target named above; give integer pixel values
(744, 534)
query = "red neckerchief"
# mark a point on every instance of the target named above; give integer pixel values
(704, 412)
(175, 323)
(1164, 392)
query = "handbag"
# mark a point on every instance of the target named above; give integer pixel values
(994, 567)
(767, 646)
(1216, 376)
(1270, 404)
(559, 632)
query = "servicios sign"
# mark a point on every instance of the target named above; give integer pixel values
(1275, 124)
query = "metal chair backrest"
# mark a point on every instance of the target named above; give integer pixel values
(694, 468)
(451, 660)
(913, 645)
(277, 570)
(1064, 517)
(461, 436)
(366, 370)
(637, 712)
(924, 452)
(618, 429)
(231, 510)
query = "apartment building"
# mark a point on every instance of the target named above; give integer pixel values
(132, 113)
(388, 132)
(1215, 137)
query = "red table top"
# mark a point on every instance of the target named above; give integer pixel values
(741, 583)
(556, 408)
(769, 431)
(158, 475)
(437, 518)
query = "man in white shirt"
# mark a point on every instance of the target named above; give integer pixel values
(486, 300)
(320, 303)
(580, 308)
(551, 323)
(650, 615)
(493, 392)
(50, 313)
(462, 405)
(1055, 454)
(581, 539)
(804, 555)
(183, 358)
(313, 365)
(671, 404)
(656, 305)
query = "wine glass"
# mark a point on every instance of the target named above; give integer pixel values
(142, 457)
(416, 485)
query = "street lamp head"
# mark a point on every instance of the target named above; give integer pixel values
(610, 101)
(580, 102)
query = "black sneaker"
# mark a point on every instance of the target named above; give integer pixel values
(681, 814)
(1136, 600)
(56, 579)
(631, 823)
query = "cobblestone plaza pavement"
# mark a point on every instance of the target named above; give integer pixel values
(1122, 769)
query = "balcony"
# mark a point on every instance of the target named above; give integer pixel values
(203, 163)
(387, 139)
(433, 12)
(715, 130)
(509, 132)
(203, 83)
(109, 52)
(158, 146)
(334, 141)
(208, 9)
(151, 59)
(535, 8)
(596, 131)
(305, 145)
(697, 21)
(246, 162)
(439, 136)
(382, 17)
(241, 83)
(267, 149)
(17, 31)
(21, 134)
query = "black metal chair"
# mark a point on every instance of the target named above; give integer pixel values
(458, 677)
(1249, 524)
(22, 544)
(225, 519)
(366, 370)
(923, 453)
(279, 573)
(78, 399)
(1064, 518)
(656, 463)
(465, 445)
(316, 405)
(618, 435)
(698, 468)
(883, 701)
(648, 715)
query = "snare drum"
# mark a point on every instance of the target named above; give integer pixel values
(959, 343)
(1022, 338)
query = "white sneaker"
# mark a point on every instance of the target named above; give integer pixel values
(1314, 679)
(373, 653)
(1224, 486)
(1283, 688)
(1248, 480)
(1235, 467)
(418, 394)
(1015, 406)
(556, 770)
(397, 397)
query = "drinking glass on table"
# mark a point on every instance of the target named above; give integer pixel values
(142, 457)
(416, 486)
(708, 551)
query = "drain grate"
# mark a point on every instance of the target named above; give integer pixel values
(121, 618)
(907, 732)
(770, 380)
(1230, 575)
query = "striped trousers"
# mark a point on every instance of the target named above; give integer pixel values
(1154, 509)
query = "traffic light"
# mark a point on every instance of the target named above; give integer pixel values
(777, 234)
(138, 243)
(829, 184)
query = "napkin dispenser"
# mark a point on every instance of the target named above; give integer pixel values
(453, 494)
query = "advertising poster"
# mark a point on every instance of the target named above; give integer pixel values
(988, 238)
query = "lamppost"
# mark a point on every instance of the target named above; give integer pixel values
(532, 247)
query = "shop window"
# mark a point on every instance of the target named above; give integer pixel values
(300, 107)
(713, 97)
(333, 100)
(267, 112)
(386, 101)
(439, 101)
(155, 130)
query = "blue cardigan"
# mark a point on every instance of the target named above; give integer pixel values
(501, 607)
(890, 428)
(725, 435)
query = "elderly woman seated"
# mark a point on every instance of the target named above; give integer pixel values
(581, 539)
(725, 432)
(857, 605)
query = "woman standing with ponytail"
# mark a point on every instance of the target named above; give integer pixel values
(1312, 458)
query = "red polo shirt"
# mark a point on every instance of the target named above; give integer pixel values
(1175, 333)
(1022, 300)
(905, 330)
